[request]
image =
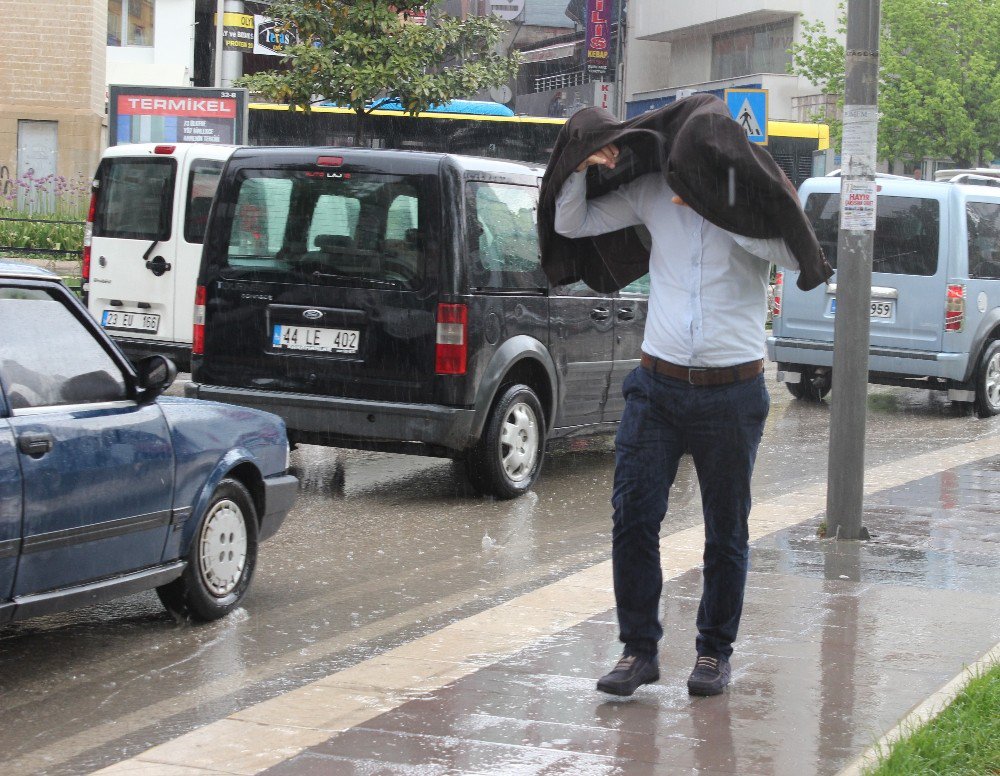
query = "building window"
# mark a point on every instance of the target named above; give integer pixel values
(762, 49)
(130, 22)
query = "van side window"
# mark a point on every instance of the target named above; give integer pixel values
(203, 180)
(135, 199)
(983, 225)
(503, 236)
(259, 220)
(907, 232)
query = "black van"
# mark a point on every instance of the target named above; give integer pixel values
(394, 300)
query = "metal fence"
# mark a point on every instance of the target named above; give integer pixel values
(567, 80)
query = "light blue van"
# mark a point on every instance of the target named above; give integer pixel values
(935, 301)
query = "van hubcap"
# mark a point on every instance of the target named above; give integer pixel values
(223, 548)
(519, 442)
(992, 381)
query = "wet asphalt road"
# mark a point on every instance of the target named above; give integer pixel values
(380, 549)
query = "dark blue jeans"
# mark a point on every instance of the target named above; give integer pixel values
(721, 427)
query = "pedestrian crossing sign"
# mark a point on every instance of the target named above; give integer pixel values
(748, 107)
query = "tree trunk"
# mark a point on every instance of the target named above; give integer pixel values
(359, 128)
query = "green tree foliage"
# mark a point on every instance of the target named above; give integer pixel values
(939, 79)
(358, 52)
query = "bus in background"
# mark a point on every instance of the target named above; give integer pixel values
(482, 129)
(793, 145)
(460, 127)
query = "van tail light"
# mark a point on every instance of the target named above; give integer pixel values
(954, 308)
(164, 149)
(88, 237)
(779, 284)
(452, 339)
(198, 331)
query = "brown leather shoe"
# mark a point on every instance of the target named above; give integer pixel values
(630, 672)
(710, 676)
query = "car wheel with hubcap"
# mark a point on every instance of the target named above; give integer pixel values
(508, 457)
(221, 559)
(988, 382)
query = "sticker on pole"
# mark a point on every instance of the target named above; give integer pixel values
(748, 107)
(857, 205)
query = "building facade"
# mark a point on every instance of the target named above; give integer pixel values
(677, 47)
(52, 90)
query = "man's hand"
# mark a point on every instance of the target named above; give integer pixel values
(607, 156)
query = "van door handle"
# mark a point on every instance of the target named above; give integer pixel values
(600, 313)
(626, 314)
(158, 265)
(35, 445)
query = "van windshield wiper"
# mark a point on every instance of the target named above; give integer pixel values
(149, 250)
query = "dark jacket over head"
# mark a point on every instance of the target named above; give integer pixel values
(706, 159)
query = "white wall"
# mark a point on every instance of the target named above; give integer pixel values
(686, 62)
(169, 61)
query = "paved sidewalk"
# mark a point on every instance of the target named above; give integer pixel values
(839, 642)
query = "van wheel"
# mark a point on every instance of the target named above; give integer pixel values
(508, 457)
(814, 385)
(988, 382)
(220, 561)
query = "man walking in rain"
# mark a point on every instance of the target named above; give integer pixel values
(699, 389)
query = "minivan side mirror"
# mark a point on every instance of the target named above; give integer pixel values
(156, 373)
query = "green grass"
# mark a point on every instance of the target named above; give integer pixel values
(963, 740)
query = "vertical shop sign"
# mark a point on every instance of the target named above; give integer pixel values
(597, 51)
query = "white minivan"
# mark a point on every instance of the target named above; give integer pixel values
(145, 228)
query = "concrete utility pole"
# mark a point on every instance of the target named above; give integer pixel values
(846, 469)
(220, 8)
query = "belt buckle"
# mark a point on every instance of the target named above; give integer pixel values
(692, 370)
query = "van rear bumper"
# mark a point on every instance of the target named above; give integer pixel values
(378, 425)
(915, 363)
(135, 349)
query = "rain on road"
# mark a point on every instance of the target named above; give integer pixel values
(379, 550)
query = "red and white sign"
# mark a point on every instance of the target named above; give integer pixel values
(147, 105)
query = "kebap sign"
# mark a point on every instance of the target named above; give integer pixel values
(597, 51)
(151, 114)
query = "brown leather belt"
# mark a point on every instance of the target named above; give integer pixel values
(697, 375)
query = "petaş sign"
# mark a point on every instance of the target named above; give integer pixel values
(597, 48)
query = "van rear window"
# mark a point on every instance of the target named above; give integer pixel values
(907, 232)
(135, 198)
(295, 226)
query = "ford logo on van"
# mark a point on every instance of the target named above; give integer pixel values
(312, 315)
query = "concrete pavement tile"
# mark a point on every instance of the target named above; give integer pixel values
(141, 768)
(321, 707)
(451, 753)
(316, 764)
(234, 746)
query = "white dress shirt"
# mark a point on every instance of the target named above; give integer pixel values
(708, 287)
